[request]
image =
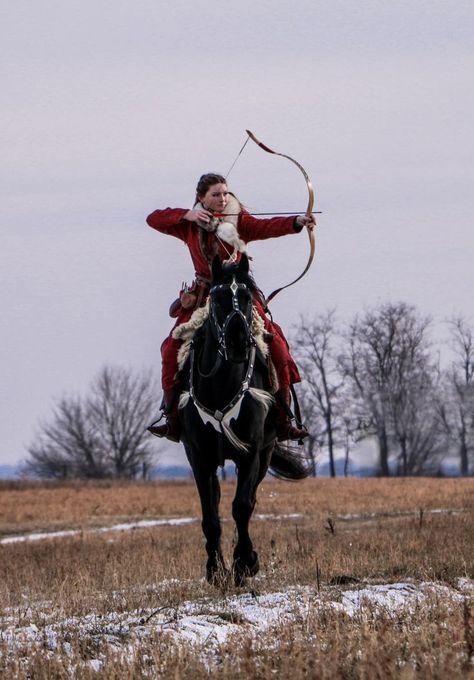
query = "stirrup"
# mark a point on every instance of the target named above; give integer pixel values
(166, 430)
(158, 430)
(155, 422)
(293, 432)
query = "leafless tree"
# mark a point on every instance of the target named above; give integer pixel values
(416, 425)
(456, 407)
(309, 415)
(315, 345)
(102, 435)
(386, 359)
(353, 424)
(413, 390)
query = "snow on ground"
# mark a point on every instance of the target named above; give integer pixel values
(180, 521)
(401, 513)
(207, 623)
(142, 524)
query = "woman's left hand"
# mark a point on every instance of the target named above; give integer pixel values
(306, 221)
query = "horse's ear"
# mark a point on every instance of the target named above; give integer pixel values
(216, 268)
(244, 263)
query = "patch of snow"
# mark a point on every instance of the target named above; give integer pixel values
(202, 630)
(95, 664)
(395, 596)
(391, 596)
(207, 623)
(142, 524)
(128, 526)
(465, 586)
(39, 536)
(293, 515)
(401, 513)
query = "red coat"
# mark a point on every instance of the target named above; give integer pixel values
(170, 221)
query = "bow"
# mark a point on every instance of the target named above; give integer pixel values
(309, 210)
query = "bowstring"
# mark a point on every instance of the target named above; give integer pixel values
(237, 157)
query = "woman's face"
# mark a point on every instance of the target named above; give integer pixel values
(216, 198)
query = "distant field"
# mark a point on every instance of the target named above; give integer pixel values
(319, 541)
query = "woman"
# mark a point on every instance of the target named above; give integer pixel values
(219, 224)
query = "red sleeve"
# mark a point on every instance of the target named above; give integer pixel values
(255, 229)
(170, 221)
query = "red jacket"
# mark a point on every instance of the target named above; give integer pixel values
(170, 221)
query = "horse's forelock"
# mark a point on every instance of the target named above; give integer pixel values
(231, 269)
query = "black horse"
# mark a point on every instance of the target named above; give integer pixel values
(226, 413)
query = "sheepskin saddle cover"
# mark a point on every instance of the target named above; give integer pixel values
(187, 330)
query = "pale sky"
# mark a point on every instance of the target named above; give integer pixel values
(112, 108)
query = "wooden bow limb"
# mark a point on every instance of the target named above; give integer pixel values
(308, 213)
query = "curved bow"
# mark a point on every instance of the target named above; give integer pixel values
(309, 210)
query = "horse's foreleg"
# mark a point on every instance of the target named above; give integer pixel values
(245, 557)
(249, 476)
(210, 494)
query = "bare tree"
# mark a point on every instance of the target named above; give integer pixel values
(315, 346)
(309, 415)
(416, 424)
(387, 356)
(413, 391)
(102, 435)
(353, 425)
(456, 407)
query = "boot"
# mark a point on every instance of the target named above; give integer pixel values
(171, 428)
(285, 429)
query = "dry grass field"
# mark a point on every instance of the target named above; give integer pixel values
(359, 579)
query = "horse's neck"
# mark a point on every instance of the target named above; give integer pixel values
(225, 382)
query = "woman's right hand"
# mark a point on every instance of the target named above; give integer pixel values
(198, 215)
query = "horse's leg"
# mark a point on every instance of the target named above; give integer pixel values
(249, 477)
(210, 494)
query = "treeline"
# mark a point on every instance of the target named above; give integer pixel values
(381, 376)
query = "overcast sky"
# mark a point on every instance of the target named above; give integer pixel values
(112, 108)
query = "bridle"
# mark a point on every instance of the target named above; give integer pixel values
(220, 330)
(220, 418)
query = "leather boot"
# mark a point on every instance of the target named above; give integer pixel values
(285, 429)
(171, 428)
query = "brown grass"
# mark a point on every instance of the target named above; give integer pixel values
(349, 531)
(29, 506)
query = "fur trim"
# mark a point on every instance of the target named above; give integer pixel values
(186, 331)
(226, 229)
(228, 233)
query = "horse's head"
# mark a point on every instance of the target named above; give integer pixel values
(230, 308)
